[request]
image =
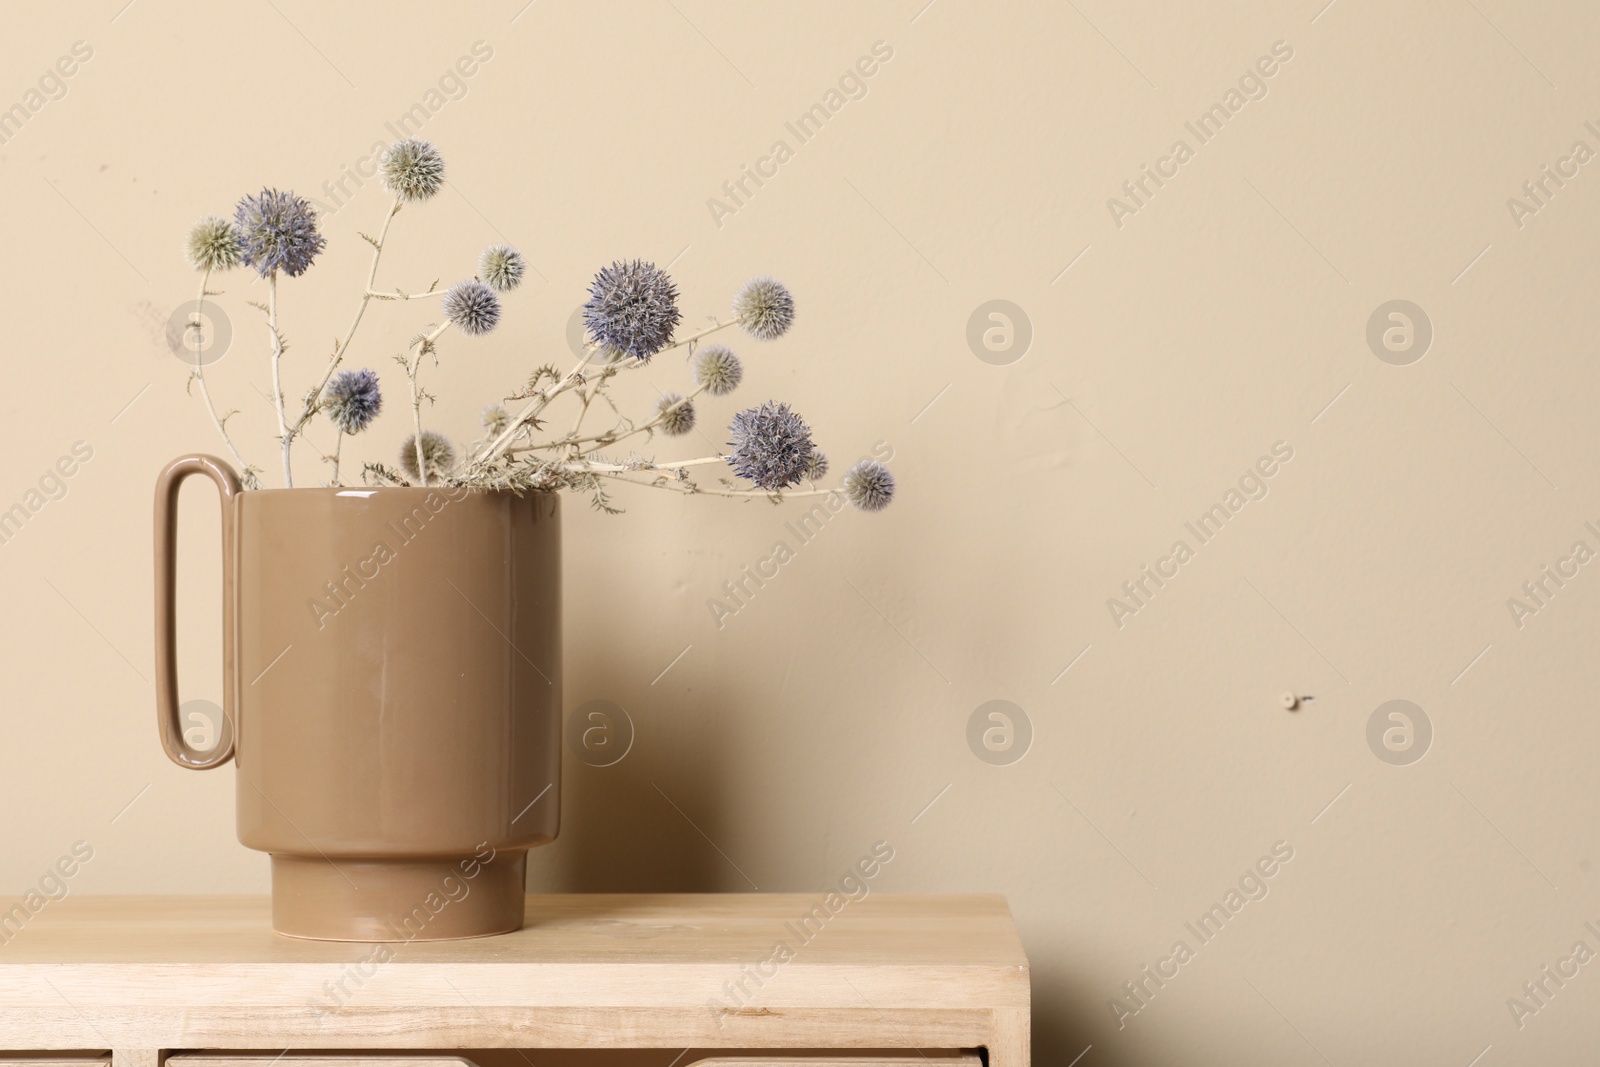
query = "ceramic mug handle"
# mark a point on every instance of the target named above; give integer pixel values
(166, 542)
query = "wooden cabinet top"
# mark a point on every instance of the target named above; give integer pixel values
(728, 970)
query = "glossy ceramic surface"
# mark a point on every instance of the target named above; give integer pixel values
(394, 691)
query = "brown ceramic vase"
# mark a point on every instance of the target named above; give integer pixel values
(392, 697)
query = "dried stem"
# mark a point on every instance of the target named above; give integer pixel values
(591, 467)
(313, 399)
(690, 489)
(245, 470)
(277, 375)
(398, 295)
(424, 346)
(338, 446)
(542, 398)
(607, 440)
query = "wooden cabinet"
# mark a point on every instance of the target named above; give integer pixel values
(775, 979)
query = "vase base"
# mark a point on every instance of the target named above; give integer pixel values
(397, 900)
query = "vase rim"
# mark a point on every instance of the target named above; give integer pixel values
(363, 491)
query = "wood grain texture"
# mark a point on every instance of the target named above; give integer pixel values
(588, 971)
(926, 1058)
(193, 1059)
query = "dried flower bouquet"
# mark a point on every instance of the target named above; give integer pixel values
(630, 317)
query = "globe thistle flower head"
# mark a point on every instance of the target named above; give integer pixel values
(869, 485)
(502, 267)
(277, 231)
(472, 307)
(438, 455)
(817, 469)
(412, 169)
(718, 370)
(676, 414)
(632, 307)
(214, 244)
(354, 400)
(765, 308)
(771, 446)
(495, 419)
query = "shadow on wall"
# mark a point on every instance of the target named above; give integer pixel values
(1065, 1014)
(642, 824)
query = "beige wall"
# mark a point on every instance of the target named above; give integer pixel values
(1227, 314)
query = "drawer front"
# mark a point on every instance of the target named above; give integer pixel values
(934, 1058)
(355, 1059)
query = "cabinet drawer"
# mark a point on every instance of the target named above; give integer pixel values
(934, 1058)
(354, 1059)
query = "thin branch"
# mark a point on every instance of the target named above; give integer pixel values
(338, 446)
(690, 489)
(591, 466)
(607, 440)
(573, 377)
(588, 398)
(398, 295)
(245, 471)
(424, 347)
(277, 375)
(341, 347)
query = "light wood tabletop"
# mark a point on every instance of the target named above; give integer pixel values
(735, 971)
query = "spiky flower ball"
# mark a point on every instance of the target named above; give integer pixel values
(632, 307)
(869, 485)
(718, 370)
(495, 419)
(817, 469)
(502, 267)
(353, 400)
(764, 308)
(214, 244)
(676, 414)
(472, 307)
(771, 446)
(278, 231)
(412, 169)
(438, 456)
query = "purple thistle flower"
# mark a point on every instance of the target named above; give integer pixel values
(412, 169)
(502, 267)
(472, 307)
(676, 414)
(278, 231)
(633, 308)
(869, 485)
(771, 446)
(438, 454)
(764, 307)
(354, 400)
(718, 370)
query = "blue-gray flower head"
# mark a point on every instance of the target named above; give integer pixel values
(771, 446)
(817, 469)
(472, 307)
(764, 308)
(632, 307)
(278, 232)
(412, 169)
(718, 370)
(214, 244)
(502, 267)
(676, 413)
(437, 453)
(869, 485)
(354, 400)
